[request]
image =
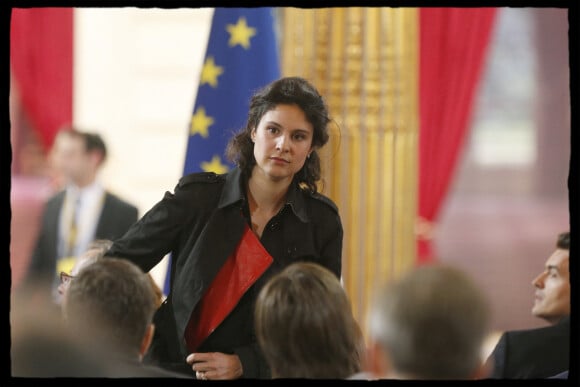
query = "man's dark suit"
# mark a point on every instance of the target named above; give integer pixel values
(116, 217)
(532, 354)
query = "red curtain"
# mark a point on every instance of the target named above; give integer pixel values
(41, 60)
(453, 43)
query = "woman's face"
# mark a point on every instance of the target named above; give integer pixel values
(282, 141)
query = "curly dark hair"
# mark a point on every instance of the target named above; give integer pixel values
(288, 90)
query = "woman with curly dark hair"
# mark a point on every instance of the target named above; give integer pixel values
(229, 233)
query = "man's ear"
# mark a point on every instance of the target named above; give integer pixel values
(377, 360)
(147, 339)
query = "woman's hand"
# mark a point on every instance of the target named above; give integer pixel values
(215, 366)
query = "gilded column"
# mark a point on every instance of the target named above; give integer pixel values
(364, 61)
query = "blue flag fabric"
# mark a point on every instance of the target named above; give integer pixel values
(241, 56)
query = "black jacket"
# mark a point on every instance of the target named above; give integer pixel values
(200, 224)
(533, 353)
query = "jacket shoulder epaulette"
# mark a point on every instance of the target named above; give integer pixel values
(198, 177)
(325, 200)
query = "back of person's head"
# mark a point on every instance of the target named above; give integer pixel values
(115, 298)
(431, 324)
(103, 245)
(95, 251)
(304, 325)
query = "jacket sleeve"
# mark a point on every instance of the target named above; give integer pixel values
(155, 235)
(130, 215)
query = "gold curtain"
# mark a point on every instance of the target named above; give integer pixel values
(364, 61)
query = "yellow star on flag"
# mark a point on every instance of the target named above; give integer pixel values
(200, 123)
(215, 165)
(210, 72)
(240, 33)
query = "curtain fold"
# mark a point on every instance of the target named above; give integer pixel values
(41, 62)
(452, 50)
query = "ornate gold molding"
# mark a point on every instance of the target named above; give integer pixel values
(365, 62)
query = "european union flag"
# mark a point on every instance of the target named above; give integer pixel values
(241, 57)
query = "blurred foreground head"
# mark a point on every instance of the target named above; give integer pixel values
(41, 346)
(95, 251)
(113, 300)
(305, 326)
(431, 324)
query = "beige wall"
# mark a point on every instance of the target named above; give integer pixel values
(136, 76)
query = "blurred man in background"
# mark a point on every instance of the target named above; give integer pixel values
(82, 211)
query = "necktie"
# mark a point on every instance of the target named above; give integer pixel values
(73, 228)
(70, 234)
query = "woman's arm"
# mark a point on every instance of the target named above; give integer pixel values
(158, 232)
(149, 239)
